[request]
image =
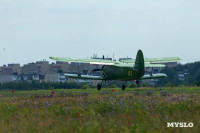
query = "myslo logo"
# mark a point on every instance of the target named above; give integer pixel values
(179, 124)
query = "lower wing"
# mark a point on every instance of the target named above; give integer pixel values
(84, 76)
(154, 76)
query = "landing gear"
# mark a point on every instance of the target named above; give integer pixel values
(99, 87)
(102, 84)
(123, 87)
(137, 82)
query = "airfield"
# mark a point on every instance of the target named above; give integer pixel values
(110, 110)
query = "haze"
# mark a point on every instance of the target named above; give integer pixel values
(33, 30)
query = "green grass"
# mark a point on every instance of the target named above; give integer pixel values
(99, 111)
(68, 92)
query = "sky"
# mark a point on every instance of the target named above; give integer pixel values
(34, 30)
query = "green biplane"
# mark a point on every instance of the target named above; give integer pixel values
(124, 70)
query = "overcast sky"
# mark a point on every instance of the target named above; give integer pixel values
(33, 30)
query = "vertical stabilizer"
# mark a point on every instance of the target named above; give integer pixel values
(139, 64)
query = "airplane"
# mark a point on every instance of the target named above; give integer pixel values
(124, 70)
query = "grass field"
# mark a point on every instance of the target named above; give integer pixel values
(106, 111)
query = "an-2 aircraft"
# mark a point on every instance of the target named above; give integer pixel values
(125, 70)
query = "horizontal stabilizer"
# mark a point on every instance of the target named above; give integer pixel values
(84, 76)
(154, 76)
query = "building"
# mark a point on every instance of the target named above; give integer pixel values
(10, 78)
(10, 69)
(64, 66)
(40, 67)
(55, 77)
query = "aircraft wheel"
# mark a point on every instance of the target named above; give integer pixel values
(137, 82)
(123, 87)
(99, 87)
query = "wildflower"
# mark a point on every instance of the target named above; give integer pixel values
(13, 91)
(53, 92)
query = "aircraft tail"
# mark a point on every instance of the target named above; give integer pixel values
(139, 64)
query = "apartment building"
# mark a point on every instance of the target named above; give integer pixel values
(55, 77)
(40, 67)
(10, 69)
(64, 66)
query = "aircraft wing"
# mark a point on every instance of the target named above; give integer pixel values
(163, 60)
(153, 65)
(101, 62)
(155, 60)
(145, 65)
(84, 76)
(90, 61)
(154, 76)
(147, 76)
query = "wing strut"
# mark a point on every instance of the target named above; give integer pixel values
(79, 74)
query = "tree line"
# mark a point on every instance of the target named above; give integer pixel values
(34, 85)
(191, 72)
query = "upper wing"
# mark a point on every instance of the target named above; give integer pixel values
(163, 60)
(155, 60)
(102, 62)
(90, 61)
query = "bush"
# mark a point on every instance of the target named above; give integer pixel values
(181, 86)
(113, 86)
(149, 93)
(170, 85)
(164, 93)
(136, 93)
(85, 87)
(132, 86)
(51, 88)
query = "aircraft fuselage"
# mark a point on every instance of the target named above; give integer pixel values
(120, 73)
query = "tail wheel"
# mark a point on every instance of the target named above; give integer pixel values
(99, 87)
(123, 87)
